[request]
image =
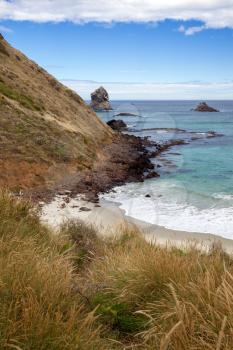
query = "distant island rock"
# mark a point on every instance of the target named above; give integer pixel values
(126, 114)
(117, 125)
(204, 107)
(100, 100)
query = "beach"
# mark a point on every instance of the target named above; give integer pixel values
(189, 195)
(109, 220)
(194, 190)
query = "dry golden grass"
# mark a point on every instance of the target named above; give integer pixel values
(186, 296)
(75, 291)
(38, 306)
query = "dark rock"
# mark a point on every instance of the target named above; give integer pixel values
(148, 196)
(100, 100)
(211, 134)
(61, 193)
(95, 200)
(204, 107)
(67, 192)
(152, 174)
(84, 209)
(117, 125)
(126, 114)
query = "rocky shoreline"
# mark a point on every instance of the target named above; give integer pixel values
(127, 159)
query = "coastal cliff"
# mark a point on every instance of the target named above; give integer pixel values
(46, 129)
(50, 139)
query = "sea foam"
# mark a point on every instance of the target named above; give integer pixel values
(176, 213)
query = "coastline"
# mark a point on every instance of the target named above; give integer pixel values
(109, 219)
(77, 198)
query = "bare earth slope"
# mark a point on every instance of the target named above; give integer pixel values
(46, 129)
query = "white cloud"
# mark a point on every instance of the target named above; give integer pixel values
(181, 29)
(155, 91)
(4, 29)
(191, 30)
(213, 13)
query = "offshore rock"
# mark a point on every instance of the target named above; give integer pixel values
(204, 107)
(100, 100)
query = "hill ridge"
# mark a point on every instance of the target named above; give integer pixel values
(45, 127)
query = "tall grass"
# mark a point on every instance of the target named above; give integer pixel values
(78, 291)
(185, 296)
(38, 306)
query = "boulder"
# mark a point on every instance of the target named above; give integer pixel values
(127, 114)
(117, 125)
(100, 100)
(204, 107)
(152, 175)
(84, 209)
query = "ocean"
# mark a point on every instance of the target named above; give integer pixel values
(195, 190)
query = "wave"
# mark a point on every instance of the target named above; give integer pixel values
(224, 196)
(176, 213)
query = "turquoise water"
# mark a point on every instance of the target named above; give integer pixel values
(195, 190)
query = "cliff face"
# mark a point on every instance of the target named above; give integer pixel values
(46, 129)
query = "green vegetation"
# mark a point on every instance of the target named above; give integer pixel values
(23, 135)
(25, 101)
(78, 291)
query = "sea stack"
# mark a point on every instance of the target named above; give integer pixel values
(100, 100)
(204, 107)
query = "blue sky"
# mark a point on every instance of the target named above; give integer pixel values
(168, 59)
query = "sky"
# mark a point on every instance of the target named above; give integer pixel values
(136, 49)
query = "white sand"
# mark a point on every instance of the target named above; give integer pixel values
(109, 218)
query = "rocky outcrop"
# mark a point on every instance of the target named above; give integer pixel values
(126, 114)
(204, 107)
(117, 125)
(100, 100)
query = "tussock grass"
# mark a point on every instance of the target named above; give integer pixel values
(24, 100)
(38, 306)
(184, 297)
(86, 245)
(78, 291)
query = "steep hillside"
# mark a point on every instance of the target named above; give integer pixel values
(46, 129)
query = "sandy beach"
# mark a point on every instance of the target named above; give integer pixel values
(108, 219)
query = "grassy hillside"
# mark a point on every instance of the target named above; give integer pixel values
(77, 291)
(43, 124)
